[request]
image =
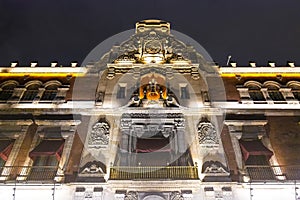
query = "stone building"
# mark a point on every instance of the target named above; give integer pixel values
(152, 119)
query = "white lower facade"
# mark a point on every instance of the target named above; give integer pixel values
(98, 191)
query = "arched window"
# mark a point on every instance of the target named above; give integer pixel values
(32, 90)
(7, 89)
(295, 86)
(51, 89)
(254, 89)
(273, 91)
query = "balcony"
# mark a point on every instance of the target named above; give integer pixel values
(29, 173)
(153, 172)
(273, 173)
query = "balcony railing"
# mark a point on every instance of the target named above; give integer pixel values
(29, 173)
(153, 172)
(265, 173)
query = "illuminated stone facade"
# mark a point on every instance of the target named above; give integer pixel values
(153, 119)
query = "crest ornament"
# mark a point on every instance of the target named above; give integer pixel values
(207, 135)
(99, 136)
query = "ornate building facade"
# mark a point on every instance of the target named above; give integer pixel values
(153, 119)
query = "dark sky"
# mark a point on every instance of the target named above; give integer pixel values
(66, 31)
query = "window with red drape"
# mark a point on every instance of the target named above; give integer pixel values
(48, 148)
(254, 152)
(5, 149)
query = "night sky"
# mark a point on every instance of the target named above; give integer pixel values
(66, 31)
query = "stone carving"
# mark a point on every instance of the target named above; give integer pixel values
(207, 135)
(167, 131)
(148, 130)
(214, 167)
(176, 196)
(99, 136)
(131, 196)
(95, 167)
(179, 123)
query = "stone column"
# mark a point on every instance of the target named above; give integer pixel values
(69, 138)
(236, 146)
(124, 147)
(124, 141)
(266, 95)
(182, 145)
(39, 95)
(61, 94)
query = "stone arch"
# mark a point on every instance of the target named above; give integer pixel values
(293, 84)
(253, 84)
(51, 90)
(35, 84)
(53, 83)
(272, 85)
(9, 84)
(295, 88)
(7, 89)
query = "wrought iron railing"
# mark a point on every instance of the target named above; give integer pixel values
(153, 172)
(265, 173)
(29, 173)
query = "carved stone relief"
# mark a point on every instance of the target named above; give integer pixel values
(131, 196)
(93, 168)
(214, 167)
(148, 130)
(207, 135)
(99, 136)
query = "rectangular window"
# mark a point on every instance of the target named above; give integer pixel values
(5, 94)
(49, 95)
(29, 95)
(256, 95)
(276, 95)
(184, 92)
(121, 93)
(296, 94)
(5, 149)
(46, 156)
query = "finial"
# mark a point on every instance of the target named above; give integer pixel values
(272, 64)
(53, 64)
(13, 64)
(252, 64)
(33, 64)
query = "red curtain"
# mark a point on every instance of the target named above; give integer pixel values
(5, 148)
(255, 148)
(48, 148)
(146, 145)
